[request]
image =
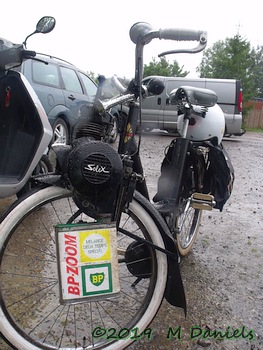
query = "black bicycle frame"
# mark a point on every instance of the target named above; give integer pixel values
(128, 146)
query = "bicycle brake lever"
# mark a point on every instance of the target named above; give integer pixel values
(200, 47)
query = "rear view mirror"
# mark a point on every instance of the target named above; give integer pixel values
(45, 25)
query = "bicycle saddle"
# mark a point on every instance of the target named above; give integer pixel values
(193, 95)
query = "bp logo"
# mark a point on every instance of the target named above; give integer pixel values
(97, 278)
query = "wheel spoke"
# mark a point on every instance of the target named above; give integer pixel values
(29, 290)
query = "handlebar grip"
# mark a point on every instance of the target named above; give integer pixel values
(28, 53)
(183, 35)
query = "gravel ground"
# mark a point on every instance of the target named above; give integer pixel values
(223, 273)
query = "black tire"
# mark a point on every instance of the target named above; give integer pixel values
(43, 167)
(172, 131)
(188, 222)
(31, 316)
(60, 132)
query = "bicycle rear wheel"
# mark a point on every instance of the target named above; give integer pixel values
(187, 223)
(31, 315)
(189, 219)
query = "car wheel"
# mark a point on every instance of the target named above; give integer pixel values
(172, 131)
(115, 130)
(44, 166)
(60, 132)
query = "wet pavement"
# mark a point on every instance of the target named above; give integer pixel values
(223, 274)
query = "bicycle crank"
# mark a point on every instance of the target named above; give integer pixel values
(202, 201)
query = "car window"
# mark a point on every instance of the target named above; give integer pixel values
(71, 80)
(46, 74)
(90, 86)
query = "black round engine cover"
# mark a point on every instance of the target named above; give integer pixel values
(94, 168)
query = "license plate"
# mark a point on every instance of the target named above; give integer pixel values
(87, 262)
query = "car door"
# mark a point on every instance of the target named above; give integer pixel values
(90, 88)
(73, 91)
(45, 80)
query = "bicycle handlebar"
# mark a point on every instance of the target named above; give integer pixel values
(13, 54)
(28, 54)
(103, 106)
(141, 33)
(182, 35)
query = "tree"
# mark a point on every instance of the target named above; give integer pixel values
(258, 71)
(235, 59)
(93, 76)
(164, 68)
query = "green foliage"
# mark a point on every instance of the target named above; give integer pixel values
(164, 68)
(254, 129)
(257, 69)
(93, 76)
(226, 59)
(235, 59)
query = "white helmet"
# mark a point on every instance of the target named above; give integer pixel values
(204, 128)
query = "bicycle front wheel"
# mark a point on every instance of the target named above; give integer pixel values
(31, 315)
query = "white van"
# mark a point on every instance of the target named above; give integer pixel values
(157, 113)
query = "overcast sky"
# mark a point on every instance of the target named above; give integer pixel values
(94, 35)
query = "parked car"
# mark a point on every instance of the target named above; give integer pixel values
(62, 88)
(157, 113)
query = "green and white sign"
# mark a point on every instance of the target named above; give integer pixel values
(97, 278)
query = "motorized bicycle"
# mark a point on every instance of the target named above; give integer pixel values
(25, 132)
(88, 257)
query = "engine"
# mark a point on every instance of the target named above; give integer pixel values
(95, 171)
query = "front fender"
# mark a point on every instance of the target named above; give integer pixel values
(174, 292)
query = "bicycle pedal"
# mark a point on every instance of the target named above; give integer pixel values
(202, 201)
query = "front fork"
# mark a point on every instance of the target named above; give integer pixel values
(128, 147)
(134, 179)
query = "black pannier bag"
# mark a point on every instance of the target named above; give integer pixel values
(218, 178)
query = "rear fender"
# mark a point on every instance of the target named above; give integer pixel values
(174, 292)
